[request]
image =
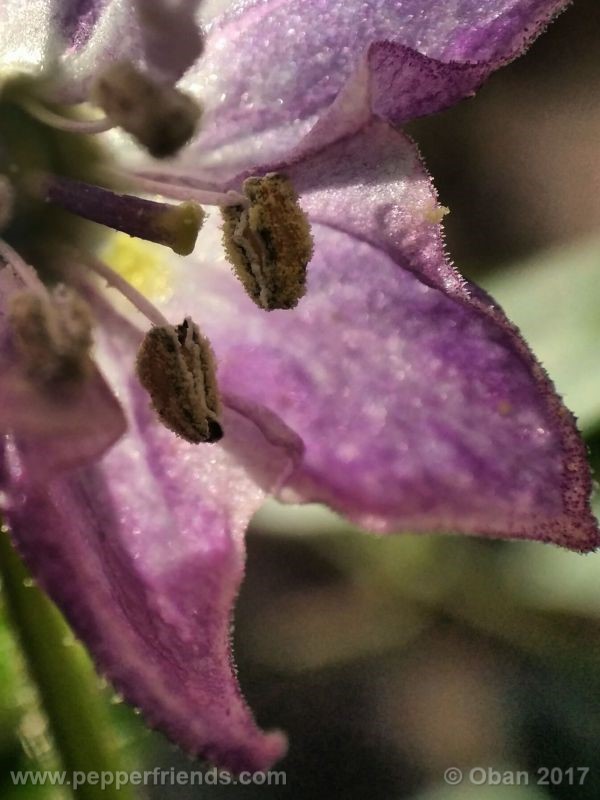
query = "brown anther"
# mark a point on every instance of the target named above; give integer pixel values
(53, 335)
(176, 366)
(160, 117)
(269, 242)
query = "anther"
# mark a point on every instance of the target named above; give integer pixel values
(175, 226)
(269, 242)
(160, 117)
(176, 366)
(52, 333)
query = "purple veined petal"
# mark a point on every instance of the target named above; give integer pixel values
(418, 412)
(373, 185)
(272, 67)
(144, 553)
(419, 404)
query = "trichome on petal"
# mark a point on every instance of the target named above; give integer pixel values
(176, 365)
(269, 242)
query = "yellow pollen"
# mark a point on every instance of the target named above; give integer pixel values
(436, 214)
(141, 263)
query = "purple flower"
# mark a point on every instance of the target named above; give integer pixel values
(395, 392)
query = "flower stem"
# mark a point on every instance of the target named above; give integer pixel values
(68, 687)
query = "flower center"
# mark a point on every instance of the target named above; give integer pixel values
(51, 165)
(55, 180)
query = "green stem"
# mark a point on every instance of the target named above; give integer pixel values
(69, 689)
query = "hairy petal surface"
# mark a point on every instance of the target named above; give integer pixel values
(144, 553)
(419, 404)
(58, 430)
(272, 67)
(417, 411)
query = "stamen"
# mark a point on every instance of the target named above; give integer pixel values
(53, 335)
(119, 283)
(53, 120)
(269, 243)
(176, 365)
(161, 118)
(175, 226)
(206, 197)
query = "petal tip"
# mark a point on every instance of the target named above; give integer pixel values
(258, 756)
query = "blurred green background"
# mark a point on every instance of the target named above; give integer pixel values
(389, 660)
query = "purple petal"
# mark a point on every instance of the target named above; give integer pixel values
(419, 404)
(272, 68)
(59, 432)
(144, 553)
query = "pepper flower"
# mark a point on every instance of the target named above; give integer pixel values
(317, 345)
